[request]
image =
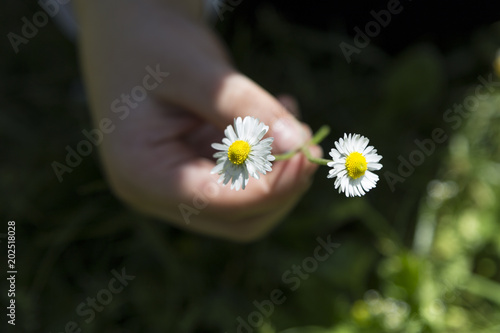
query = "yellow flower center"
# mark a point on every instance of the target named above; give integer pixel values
(238, 152)
(356, 165)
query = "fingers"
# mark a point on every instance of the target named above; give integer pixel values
(287, 132)
(242, 215)
(282, 187)
(238, 96)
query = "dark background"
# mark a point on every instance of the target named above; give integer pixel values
(441, 22)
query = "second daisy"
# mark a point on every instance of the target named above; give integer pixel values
(352, 163)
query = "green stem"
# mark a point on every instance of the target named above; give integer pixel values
(285, 156)
(320, 161)
(319, 136)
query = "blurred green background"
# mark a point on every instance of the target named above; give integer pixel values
(422, 255)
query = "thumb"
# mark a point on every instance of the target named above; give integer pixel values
(239, 96)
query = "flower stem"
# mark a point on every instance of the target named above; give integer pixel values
(285, 156)
(320, 161)
(319, 136)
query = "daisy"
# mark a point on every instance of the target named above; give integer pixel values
(243, 153)
(353, 163)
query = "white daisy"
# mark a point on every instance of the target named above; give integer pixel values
(243, 153)
(353, 163)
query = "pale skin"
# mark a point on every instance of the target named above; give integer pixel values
(159, 156)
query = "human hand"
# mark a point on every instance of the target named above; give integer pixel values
(159, 157)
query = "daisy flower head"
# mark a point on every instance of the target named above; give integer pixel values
(352, 163)
(243, 153)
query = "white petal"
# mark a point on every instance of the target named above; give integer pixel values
(262, 132)
(238, 127)
(370, 175)
(220, 154)
(334, 153)
(373, 158)
(363, 142)
(340, 146)
(230, 134)
(247, 127)
(374, 166)
(367, 150)
(219, 146)
(217, 169)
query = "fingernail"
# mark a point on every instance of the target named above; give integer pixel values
(288, 135)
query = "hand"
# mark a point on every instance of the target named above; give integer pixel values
(158, 158)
